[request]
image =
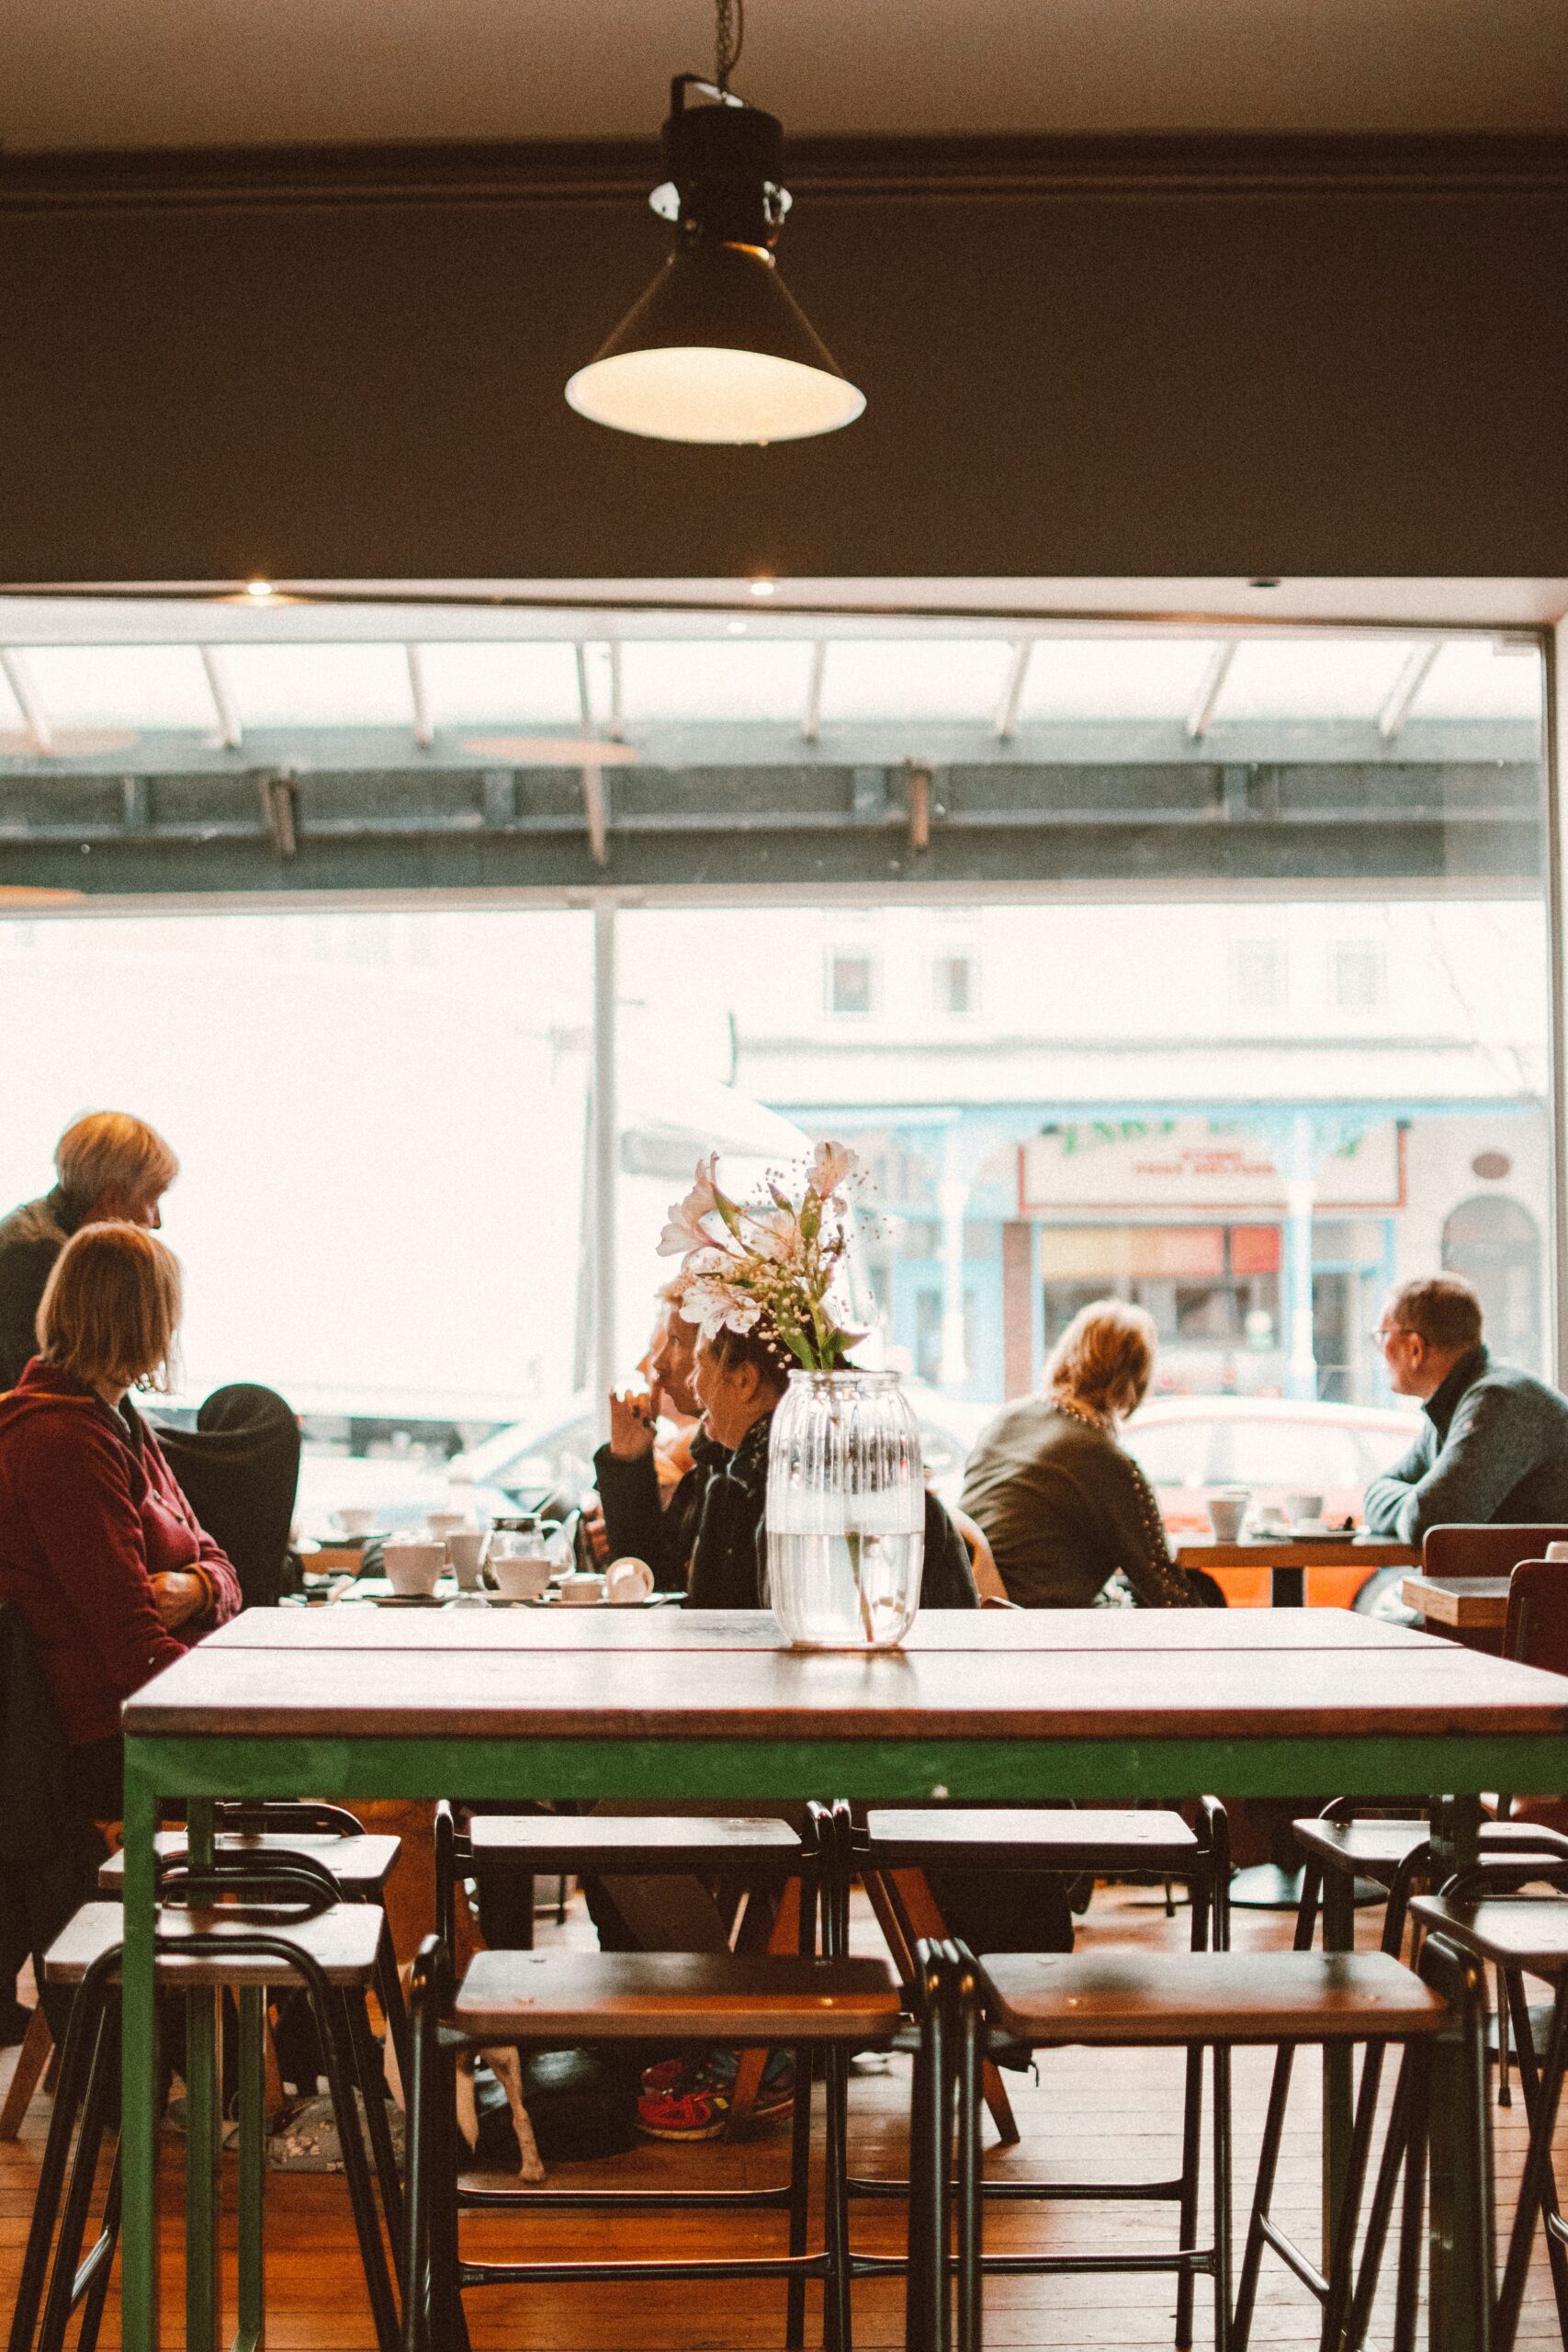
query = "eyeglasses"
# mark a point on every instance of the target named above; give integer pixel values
(1386, 1331)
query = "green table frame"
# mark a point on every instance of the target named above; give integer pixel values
(1450, 1769)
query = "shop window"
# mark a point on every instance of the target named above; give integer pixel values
(1259, 974)
(850, 983)
(1494, 1243)
(954, 986)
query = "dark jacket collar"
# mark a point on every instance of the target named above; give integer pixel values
(68, 1214)
(1441, 1405)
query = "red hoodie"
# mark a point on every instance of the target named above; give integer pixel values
(87, 1517)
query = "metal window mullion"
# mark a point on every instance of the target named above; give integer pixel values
(1554, 766)
(605, 1145)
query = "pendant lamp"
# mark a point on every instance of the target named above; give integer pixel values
(718, 349)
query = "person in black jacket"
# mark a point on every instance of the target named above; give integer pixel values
(709, 1540)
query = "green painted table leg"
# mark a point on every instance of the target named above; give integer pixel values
(138, 2256)
(253, 2170)
(1338, 1935)
(204, 2127)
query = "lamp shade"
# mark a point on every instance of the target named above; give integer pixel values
(718, 350)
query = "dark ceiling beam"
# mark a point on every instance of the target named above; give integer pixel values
(589, 171)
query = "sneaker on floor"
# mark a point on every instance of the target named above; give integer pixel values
(696, 2106)
(685, 2112)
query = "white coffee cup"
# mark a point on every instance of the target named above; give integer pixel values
(465, 1551)
(581, 1589)
(442, 1523)
(627, 1580)
(357, 1519)
(521, 1576)
(1303, 1508)
(1226, 1513)
(1556, 1551)
(412, 1566)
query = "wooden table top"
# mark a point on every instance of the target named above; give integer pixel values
(1367, 1551)
(343, 1626)
(1229, 1691)
(1471, 1604)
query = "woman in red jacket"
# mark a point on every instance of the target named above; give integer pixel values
(98, 1547)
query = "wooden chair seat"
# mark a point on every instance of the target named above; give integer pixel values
(1374, 1849)
(1159, 1998)
(607, 1843)
(342, 1940)
(361, 1865)
(517, 1997)
(1527, 1931)
(1029, 1839)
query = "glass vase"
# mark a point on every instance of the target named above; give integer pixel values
(846, 1514)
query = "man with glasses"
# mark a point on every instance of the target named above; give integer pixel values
(1494, 1442)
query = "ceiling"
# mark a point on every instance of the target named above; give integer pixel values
(115, 74)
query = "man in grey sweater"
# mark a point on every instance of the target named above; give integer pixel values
(1494, 1444)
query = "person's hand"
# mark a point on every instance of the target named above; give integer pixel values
(177, 1596)
(631, 1425)
(594, 1531)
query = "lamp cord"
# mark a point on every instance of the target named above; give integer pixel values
(729, 29)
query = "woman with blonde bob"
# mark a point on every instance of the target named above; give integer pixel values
(98, 1547)
(109, 1167)
(1063, 1507)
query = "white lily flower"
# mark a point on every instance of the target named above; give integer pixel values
(831, 1163)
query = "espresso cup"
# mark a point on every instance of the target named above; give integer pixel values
(1302, 1504)
(465, 1551)
(413, 1567)
(356, 1519)
(1226, 1513)
(581, 1589)
(521, 1576)
(627, 1582)
(442, 1523)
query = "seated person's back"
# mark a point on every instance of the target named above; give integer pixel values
(1493, 1444)
(1062, 1505)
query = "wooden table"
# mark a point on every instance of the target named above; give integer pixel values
(1101, 1704)
(1288, 1563)
(1472, 1610)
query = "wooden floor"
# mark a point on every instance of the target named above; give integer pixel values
(1086, 2111)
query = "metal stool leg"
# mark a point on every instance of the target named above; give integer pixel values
(1536, 2193)
(1268, 2165)
(1529, 2087)
(800, 2135)
(62, 2297)
(88, 2024)
(926, 2300)
(971, 2205)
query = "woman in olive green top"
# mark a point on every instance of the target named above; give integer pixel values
(1062, 1505)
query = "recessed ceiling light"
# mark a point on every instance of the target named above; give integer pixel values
(736, 628)
(763, 587)
(260, 589)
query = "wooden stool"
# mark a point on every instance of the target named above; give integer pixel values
(359, 1863)
(1519, 1935)
(1185, 2000)
(1099, 1842)
(542, 2000)
(767, 1852)
(246, 1930)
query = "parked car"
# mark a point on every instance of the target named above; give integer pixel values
(1187, 1446)
(550, 1453)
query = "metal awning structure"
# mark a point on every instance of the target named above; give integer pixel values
(263, 745)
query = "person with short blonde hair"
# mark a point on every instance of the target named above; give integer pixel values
(111, 1168)
(1061, 1505)
(1493, 1441)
